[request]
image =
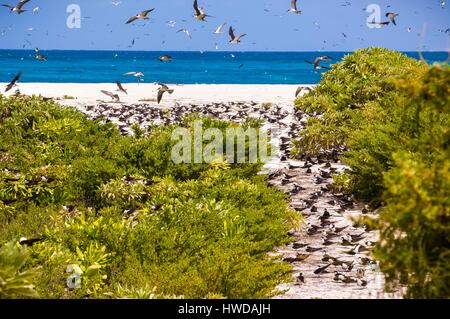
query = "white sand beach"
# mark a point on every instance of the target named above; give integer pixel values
(198, 93)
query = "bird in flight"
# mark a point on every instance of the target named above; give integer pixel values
(142, 15)
(114, 97)
(13, 82)
(120, 87)
(18, 7)
(199, 13)
(39, 56)
(116, 3)
(164, 88)
(219, 28)
(317, 60)
(293, 8)
(138, 75)
(185, 31)
(165, 58)
(301, 89)
(235, 39)
(392, 16)
(383, 23)
(171, 23)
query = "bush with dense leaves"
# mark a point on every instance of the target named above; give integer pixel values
(389, 115)
(119, 219)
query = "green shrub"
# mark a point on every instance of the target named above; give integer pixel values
(166, 230)
(15, 281)
(389, 116)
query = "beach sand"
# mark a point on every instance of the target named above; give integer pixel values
(139, 93)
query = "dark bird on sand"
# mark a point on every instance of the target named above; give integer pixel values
(142, 15)
(310, 249)
(337, 230)
(120, 87)
(13, 82)
(18, 7)
(235, 39)
(297, 258)
(361, 282)
(301, 278)
(164, 88)
(321, 270)
(392, 16)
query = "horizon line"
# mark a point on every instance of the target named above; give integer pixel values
(210, 51)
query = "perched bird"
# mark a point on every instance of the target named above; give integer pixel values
(347, 279)
(39, 56)
(298, 257)
(361, 282)
(165, 58)
(337, 230)
(156, 207)
(338, 276)
(364, 260)
(113, 96)
(13, 82)
(360, 273)
(321, 270)
(18, 7)
(347, 266)
(199, 13)
(293, 8)
(120, 87)
(317, 60)
(310, 249)
(326, 242)
(392, 16)
(298, 245)
(29, 242)
(164, 88)
(301, 278)
(186, 31)
(235, 39)
(142, 15)
(219, 28)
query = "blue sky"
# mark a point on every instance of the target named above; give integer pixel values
(268, 26)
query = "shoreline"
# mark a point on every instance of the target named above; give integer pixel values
(87, 93)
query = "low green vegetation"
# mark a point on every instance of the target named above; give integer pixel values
(118, 219)
(389, 115)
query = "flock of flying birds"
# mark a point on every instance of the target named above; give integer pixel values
(200, 15)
